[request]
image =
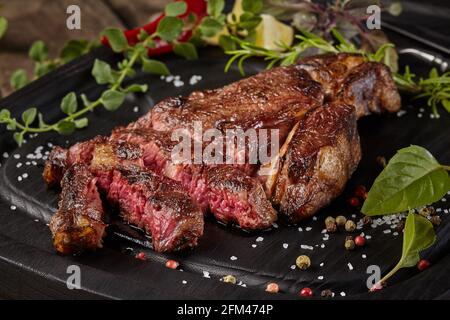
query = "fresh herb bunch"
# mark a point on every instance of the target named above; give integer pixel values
(291, 54)
(347, 16)
(435, 88)
(169, 29)
(225, 28)
(412, 178)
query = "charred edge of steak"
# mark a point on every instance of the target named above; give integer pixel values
(230, 194)
(61, 159)
(78, 224)
(323, 154)
(236, 198)
(370, 89)
(159, 206)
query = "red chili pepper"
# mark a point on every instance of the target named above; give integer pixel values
(197, 7)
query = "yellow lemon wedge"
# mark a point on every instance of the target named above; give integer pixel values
(270, 33)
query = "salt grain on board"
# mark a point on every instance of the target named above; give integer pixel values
(285, 245)
(233, 258)
(206, 274)
(306, 247)
(350, 266)
(308, 228)
(13, 208)
(259, 239)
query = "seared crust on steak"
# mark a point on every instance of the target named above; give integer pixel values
(322, 155)
(78, 224)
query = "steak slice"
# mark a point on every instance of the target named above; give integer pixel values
(322, 155)
(78, 224)
(158, 205)
(230, 194)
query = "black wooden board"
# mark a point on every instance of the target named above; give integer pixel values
(30, 268)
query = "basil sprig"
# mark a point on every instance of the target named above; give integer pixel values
(412, 178)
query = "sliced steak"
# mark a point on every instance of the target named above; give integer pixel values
(322, 155)
(78, 224)
(158, 205)
(230, 194)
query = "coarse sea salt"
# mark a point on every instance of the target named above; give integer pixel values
(321, 264)
(233, 258)
(293, 267)
(184, 282)
(285, 245)
(342, 294)
(259, 239)
(254, 245)
(308, 228)
(306, 247)
(13, 208)
(206, 274)
(350, 266)
(363, 256)
(320, 277)
(387, 231)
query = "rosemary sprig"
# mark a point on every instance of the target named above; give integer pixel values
(290, 54)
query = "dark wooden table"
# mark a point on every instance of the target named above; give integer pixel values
(31, 20)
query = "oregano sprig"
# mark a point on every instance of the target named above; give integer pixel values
(169, 29)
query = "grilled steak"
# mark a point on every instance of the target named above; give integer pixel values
(78, 224)
(322, 155)
(367, 86)
(314, 104)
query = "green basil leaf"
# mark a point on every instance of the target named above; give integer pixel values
(418, 235)
(176, 9)
(215, 7)
(142, 35)
(249, 21)
(5, 115)
(170, 28)
(186, 50)
(412, 178)
(74, 49)
(254, 6)
(19, 79)
(81, 123)
(112, 99)
(38, 51)
(29, 115)
(69, 103)
(209, 27)
(18, 137)
(65, 127)
(136, 88)
(102, 72)
(117, 39)
(155, 67)
(3, 26)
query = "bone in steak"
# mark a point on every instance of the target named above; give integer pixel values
(314, 104)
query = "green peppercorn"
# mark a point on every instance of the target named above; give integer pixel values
(327, 293)
(341, 220)
(229, 279)
(330, 220)
(350, 226)
(349, 244)
(436, 220)
(303, 262)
